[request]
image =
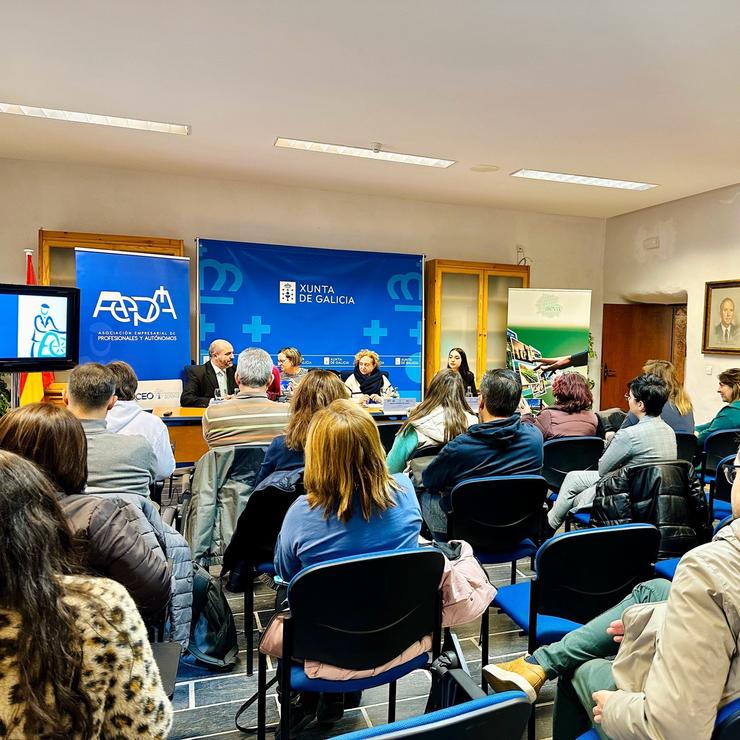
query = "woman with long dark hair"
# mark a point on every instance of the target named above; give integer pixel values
(76, 662)
(317, 390)
(457, 360)
(440, 417)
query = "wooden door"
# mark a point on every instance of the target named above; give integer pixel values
(632, 334)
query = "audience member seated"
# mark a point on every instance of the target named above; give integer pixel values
(728, 417)
(499, 445)
(352, 506)
(116, 463)
(440, 417)
(367, 382)
(111, 545)
(249, 417)
(316, 392)
(678, 412)
(457, 360)
(676, 661)
(202, 381)
(291, 372)
(76, 662)
(571, 416)
(650, 440)
(127, 417)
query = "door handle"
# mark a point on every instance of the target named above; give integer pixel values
(607, 373)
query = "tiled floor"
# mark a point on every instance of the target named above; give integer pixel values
(206, 702)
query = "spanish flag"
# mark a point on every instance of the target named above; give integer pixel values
(32, 385)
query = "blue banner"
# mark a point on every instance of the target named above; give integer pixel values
(329, 303)
(136, 308)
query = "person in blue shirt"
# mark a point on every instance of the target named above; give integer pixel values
(317, 390)
(352, 506)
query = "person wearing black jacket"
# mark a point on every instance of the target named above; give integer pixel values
(203, 380)
(53, 438)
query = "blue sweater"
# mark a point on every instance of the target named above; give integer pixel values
(307, 537)
(670, 414)
(502, 447)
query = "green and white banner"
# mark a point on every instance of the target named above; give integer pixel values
(545, 325)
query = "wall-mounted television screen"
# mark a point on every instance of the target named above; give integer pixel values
(41, 326)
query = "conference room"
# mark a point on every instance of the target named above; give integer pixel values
(450, 254)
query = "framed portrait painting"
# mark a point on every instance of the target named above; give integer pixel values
(722, 318)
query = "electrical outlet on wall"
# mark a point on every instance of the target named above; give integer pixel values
(708, 369)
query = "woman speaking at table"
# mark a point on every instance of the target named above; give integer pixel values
(367, 380)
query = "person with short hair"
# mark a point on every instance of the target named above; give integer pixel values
(440, 417)
(571, 416)
(286, 452)
(728, 417)
(76, 661)
(650, 440)
(106, 528)
(290, 359)
(127, 417)
(202, 381)
(250, 417)
(116, 463)
(499, 445)
(366, 381)
(726, 331)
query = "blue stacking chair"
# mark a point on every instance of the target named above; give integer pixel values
(726, 726)
(357, 613)
(578, 576)
(717, 446)
(565, 454)
(501, 518)
(667, 568)
(501, 715)
(686, 446)
(720, 489)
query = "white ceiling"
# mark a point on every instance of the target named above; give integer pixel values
(619, 89)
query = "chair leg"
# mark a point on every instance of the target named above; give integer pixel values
(261, 696)
(248, 627)
(391, 702)
(483, 648)
(285, 699)
(531, 725)
(513, 571)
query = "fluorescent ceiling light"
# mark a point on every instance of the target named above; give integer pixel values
(66, 115)
(582, 180)
(356, 151)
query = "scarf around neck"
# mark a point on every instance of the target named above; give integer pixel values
(369, 384)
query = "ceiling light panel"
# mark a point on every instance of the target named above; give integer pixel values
(365, 153)
(73, 116)
(600, 182)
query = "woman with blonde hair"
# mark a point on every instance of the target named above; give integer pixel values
(316, 391)
(678, 412)
(352, 506)
(367, 381)
(440, 417)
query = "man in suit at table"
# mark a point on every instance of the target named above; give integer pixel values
(203, 380)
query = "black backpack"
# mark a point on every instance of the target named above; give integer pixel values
(212, 630)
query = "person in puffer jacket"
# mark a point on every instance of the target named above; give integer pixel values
(440, 417)
(123, 537)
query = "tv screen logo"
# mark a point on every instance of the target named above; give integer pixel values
(287, 291)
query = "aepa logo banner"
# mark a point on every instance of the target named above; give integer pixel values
(134, 307)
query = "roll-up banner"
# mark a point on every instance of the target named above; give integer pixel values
(329, 303)
(134, 307)
(546, 324)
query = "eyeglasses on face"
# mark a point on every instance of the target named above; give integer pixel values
(730, 471)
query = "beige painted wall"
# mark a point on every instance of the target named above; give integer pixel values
(699, 242)
(565, 252)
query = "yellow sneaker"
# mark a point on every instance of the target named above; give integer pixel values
(516, 675)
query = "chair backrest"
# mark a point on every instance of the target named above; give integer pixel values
(565, 454)
(686, 446)
(498, 512)
(722, 487)
(581, 574)
(388, 431)
(718, 445)
(501, 715)
(363, 611)
(426, 451)
(727, 724)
